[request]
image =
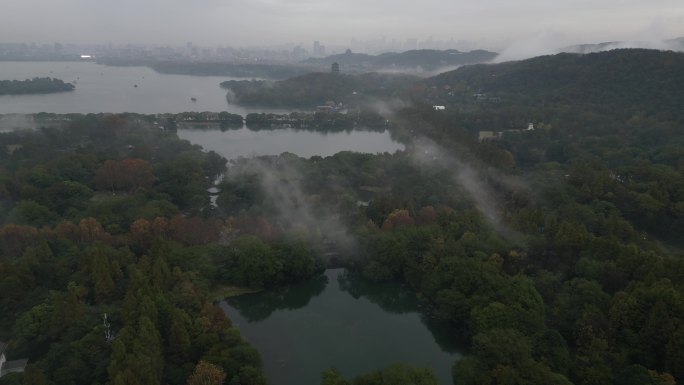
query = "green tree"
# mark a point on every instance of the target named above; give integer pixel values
(31, 213)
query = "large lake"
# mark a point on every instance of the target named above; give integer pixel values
(243, 142)
(102, 88)
(339, 320)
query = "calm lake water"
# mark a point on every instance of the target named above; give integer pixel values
(102, 88)
(339, 320)
(243, 142)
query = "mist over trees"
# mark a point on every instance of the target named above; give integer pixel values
(553, 250)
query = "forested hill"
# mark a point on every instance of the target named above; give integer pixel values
(423, 59)
(315, 89)
(676, 44)
(649, 79)
(34, 86)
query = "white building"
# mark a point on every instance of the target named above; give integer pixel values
(16, 366)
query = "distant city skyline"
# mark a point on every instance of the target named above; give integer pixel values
(488, 24)
(293, 53)
(314, 47)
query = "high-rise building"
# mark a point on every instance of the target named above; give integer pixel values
(299, 53)
(318, 49)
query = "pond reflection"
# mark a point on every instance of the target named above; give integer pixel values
(339, 320)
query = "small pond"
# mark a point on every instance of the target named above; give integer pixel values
(339, 320)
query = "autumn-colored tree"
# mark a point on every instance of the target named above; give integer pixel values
(193, 230)
(263, 228)
(252, 225)
(426, 215)
(90, 230)
(160, 227)
(67, 230)
(397, 218)
(127, 175)
(141, 232)
(15, 238)
(370, 226)
(207, 374)
(213, 319)
(136, 173)
(107, 176)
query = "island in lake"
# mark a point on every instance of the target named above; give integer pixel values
(326, 90)
(34, 86)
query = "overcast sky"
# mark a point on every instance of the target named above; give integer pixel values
(265, 22)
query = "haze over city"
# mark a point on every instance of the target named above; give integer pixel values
(347, 192)
(488, 24)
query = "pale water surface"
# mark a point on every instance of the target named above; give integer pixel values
(243, 142)
(102, 88)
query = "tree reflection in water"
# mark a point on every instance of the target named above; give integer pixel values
(259, 306)
(398, 299)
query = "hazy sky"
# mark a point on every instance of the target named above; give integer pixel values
(264, 22)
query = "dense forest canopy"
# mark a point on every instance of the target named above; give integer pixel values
(317, 89)
(638, 79)
(109, 215)
(555, 251)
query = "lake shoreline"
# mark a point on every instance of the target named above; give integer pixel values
(109, 89)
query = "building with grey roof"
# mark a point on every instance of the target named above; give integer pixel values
(15, 366)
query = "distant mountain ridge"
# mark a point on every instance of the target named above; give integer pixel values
(414, 61)
(648, 79)
(253, 70)
(676, 44)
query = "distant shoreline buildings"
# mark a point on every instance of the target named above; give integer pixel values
(189, 51)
